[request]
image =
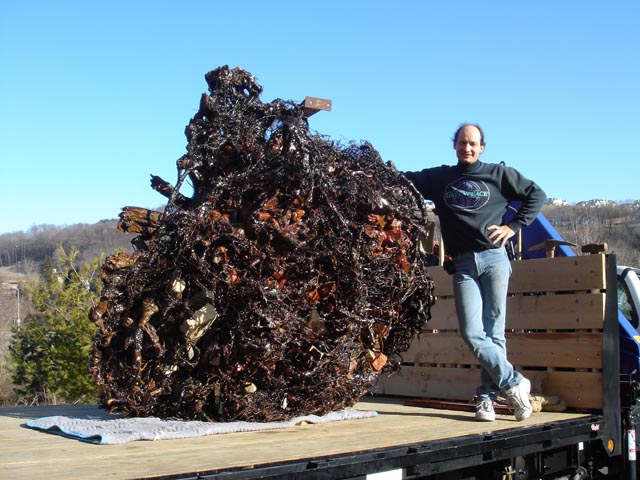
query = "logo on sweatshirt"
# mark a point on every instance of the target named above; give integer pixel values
(466, 194)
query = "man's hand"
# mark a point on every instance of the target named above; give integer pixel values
(500, 234)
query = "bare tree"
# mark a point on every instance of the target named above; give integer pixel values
(616, 225)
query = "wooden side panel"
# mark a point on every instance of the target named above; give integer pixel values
(577, 389)
(534, 312)
(578, 350)
(555, 320)
(443, 315)
(572, 311)
(582, 273)
(439, 348)
(557, 350)
(447, 383)
(580, 390)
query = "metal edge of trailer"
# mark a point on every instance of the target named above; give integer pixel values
(418, 460)
(612, 440)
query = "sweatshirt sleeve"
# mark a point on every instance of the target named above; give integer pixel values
(423, 181)
(527, 192)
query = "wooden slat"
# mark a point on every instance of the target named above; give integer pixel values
(578, 389)
(558, 274)
(581, 390)
(559, 350)
(573, 311)
(439, 348)
(443, 315)
(431, 382)
(582, 311)
(581, 273)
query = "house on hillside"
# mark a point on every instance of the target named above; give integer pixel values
(597, 203)
(556, 202)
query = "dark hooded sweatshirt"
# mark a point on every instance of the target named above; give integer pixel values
(469, 198)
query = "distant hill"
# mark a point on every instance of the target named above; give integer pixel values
(616, 224)
(26, 250)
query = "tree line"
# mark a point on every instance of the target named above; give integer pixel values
(27, 250)
(616, 225)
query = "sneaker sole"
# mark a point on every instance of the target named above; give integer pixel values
(482, 418)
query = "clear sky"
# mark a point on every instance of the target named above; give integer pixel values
(95, 96)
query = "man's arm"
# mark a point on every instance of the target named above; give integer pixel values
(530, 194)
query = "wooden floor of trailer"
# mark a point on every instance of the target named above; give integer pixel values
(27, 454)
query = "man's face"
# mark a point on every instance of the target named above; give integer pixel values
(468, 145)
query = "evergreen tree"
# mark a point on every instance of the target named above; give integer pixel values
(50, 350)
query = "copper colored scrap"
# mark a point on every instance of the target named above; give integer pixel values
(283, 285)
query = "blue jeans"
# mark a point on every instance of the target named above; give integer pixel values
(480, 285)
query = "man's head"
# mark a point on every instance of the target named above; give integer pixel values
(468, 142)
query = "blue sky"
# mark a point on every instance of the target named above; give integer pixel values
(95, 96)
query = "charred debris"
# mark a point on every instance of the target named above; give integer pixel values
(285, 284)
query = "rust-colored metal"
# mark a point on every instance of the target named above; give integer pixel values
(313, 105)
(284, 285)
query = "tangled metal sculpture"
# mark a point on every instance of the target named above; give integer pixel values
(284, 285)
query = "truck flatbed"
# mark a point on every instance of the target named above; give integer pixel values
(398, 437)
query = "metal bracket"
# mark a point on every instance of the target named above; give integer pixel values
(313, 105)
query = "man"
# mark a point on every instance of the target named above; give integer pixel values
(470, 200)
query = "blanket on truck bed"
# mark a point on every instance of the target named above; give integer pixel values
(110, 431)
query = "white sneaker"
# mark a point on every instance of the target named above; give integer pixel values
(484, 411)
(518, 397)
